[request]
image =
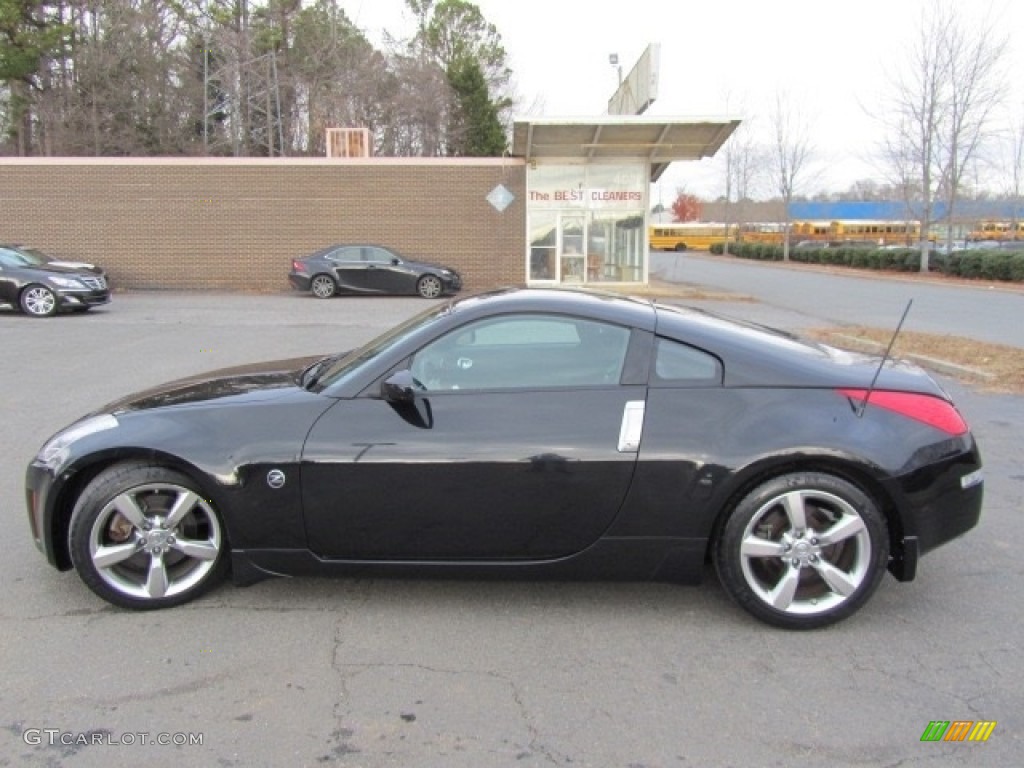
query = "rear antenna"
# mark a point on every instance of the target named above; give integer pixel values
(885, 357)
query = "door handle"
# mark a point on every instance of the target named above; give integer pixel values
(632, 426)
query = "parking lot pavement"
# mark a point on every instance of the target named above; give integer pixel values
(366, 672)
(810, 296)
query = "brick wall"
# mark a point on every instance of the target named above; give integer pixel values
(236, 224)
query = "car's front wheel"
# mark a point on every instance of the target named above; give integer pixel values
(323, 286)
(803, 550)
(429, 287)
(38, 301)
(143, 536)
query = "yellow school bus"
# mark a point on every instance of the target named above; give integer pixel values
(695, 235)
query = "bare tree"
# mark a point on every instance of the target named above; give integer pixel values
(791, 155)
(942, 110)
(1016, 164)
(974, 60)
(744, 159)
(901, 158)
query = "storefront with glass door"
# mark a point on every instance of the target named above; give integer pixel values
(586, 223)
(588, 188)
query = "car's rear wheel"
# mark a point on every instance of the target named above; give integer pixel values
(323, 286)
(38, 301)
(429, 287)
(143, 536)
(803, 550)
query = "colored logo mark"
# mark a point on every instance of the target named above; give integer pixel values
(958, 730)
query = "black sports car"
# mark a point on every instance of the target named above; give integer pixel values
(39, 285)
(523, 433)
(370, 269)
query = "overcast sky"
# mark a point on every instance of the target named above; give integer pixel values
(836, 59)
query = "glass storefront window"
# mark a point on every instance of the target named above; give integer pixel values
(543, 244)
(586, 222)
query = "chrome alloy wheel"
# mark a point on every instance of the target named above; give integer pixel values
(429, 287)
(322, 286)
(154, 541)
(39, 301)
(805, 552)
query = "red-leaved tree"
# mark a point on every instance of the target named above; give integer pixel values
(686, 207)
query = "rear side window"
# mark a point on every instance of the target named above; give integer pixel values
(680, 365)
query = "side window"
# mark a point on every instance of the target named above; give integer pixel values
(345, 254)
(524, 352)
(376, 255)
(679, 365)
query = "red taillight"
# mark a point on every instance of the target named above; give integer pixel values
(298, 266)
(930, 410)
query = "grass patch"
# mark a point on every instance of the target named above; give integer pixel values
(994, 367)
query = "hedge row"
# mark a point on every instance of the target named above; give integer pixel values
(984, 264)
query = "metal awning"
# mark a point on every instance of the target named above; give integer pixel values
(657, 139)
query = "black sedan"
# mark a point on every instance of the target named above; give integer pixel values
(523, 433)
(370, 269)
(40, 286)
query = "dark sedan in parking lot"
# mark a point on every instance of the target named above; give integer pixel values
(523, 433)
(40, 286)
(370, 269)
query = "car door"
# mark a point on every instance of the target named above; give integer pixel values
(384, 275)
(350, 269)
(521, 444)
(11, 278)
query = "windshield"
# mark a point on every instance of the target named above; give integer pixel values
(347, 365)
(20, 257)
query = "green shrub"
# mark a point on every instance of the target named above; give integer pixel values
(971, 263)
(978, 264)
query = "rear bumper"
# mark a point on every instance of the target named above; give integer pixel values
(298, 281)
(941, 502)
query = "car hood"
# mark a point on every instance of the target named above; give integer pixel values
(256, 381)
(63, 268)
(76, 266)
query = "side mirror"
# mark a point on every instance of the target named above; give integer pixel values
(395, 261)
(400, 387)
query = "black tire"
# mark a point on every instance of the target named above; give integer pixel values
(680, 247)
(802, 550)
(128, 550)
(429, 286)
(37, 300)
(323, 286)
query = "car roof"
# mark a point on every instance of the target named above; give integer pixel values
(599, 305)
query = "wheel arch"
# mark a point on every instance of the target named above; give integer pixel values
(84, 473)
(845, 468)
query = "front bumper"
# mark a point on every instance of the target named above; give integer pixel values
(452, 283)
(40, 494)
(73, 298)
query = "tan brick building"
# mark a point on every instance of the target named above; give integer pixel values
(208, 223)
(575, 208)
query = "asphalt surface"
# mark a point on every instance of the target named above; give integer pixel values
(362, 672)
(802, 298)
